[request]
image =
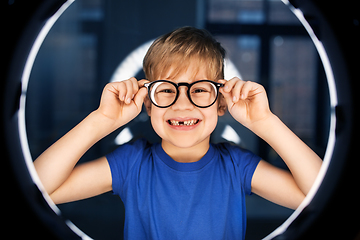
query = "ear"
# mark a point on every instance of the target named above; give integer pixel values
(147, 104)
(222, 106)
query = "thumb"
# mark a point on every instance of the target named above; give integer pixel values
(140, 96)
(227, 96)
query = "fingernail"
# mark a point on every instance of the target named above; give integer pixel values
(234, 99)
(128, 100)
(242, 96)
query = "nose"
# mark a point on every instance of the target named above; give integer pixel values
(183, 102)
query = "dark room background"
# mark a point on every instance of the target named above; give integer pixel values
(264, 40)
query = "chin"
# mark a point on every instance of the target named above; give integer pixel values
(187, 141)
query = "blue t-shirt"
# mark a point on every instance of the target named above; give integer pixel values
(165, 199)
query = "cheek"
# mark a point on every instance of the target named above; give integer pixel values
(157, 121)
(211, 118)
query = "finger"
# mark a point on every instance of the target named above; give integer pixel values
(130, 91)
(142, 92)
(236, 90)
(227, 97)
(120, 87)
(230, 84)
(226, 90)
(222, 90)
(142, 82)
(134, 82)
(140, 96)
(135, 86)
(223, 81)
(247, 88)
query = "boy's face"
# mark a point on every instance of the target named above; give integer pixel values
(184, 125)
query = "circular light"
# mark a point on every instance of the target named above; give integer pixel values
(133, 60)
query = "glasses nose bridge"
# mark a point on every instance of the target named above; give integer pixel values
(183, 84)
(181, 94)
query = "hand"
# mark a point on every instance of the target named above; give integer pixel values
(122, 101)
(247, 101)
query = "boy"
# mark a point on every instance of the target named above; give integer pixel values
(183, 187)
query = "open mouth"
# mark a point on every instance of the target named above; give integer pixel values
(183, 123)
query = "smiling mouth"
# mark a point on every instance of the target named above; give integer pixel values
(183, 123)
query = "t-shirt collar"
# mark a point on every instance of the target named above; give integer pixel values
(184, 167)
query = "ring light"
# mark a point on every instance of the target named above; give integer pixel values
(27, 188)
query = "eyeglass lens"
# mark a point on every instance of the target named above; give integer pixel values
(163, 94)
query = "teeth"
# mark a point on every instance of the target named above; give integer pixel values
(185, 123)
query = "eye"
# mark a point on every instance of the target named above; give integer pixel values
(202, 87)
(166, 91)
(199, 90)
(163, 88)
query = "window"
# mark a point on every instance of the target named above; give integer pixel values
(268, 45)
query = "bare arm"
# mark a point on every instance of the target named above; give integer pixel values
(86, 180)
(120, 102)
(56, 164)
(276, 185)
(303, 163)
(248, 104)
(279, 186)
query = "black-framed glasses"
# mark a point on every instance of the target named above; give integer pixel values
(202, 94)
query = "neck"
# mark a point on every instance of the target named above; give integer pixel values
(186, 154)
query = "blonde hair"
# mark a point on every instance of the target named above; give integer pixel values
(178, 49)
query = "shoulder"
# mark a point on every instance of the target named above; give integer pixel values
(126, 155)
(133, 148)
(245, 162)
(125, 158)
(236, 152)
